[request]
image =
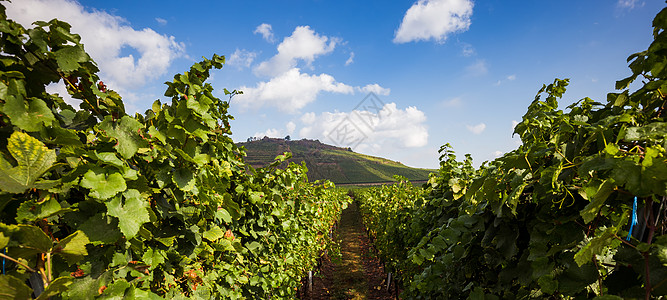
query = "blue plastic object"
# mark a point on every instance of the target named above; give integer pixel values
(633, 222)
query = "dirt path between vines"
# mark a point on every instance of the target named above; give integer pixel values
(357, 273)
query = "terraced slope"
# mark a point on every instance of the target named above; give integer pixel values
(339, 165)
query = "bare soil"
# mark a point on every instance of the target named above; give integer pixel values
(357, 273)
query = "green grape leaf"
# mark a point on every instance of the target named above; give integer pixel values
(68, 58)
(595, 246)
(184, 179)
(591, 210)
(101, 229)
(652, 131)
(136, 293)
(33, 237)
(33, 159)
(116, 290)
(153, 257)
(13, 288)
(56, 287)
(4, 240)
(224, 215)
(73, 247)
(29, 114)
(103, 185)
(214, 234)
(110, 158)
(131, 214)
(32, 210)
(126, 132)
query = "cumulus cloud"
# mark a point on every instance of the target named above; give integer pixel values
(104, 36)
(266, 31)
(241, 58)
(290, 91)
(350, 60)
(368, 131)
(478, 68)
(308, 118)
(288, 88)
(476, 129)
(277, 133)
(290, 127)
(271, 132)
(303, 45)
(374, 88)
(434, 19)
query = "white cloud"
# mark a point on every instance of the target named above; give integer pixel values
(290, 91)
(161, 21)
(308, 118)
(454, 102)
(277, 133)
(350, 60)
(367, 131)
(468, 50)
(434, 19)
(629, 4)
(476, 129)
(508, 78)
(514, 123)
(60, 89)
(374, 88)
(478, 68)
(271, 132)
(498, 153)
(104, 36)
(290, 127)
(241, 58)
(304, 44)
(266, 31)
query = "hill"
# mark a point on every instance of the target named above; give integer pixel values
(339, 165)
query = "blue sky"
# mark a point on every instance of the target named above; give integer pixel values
(444, 71)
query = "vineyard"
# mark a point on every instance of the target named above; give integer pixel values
(97, 203)
(578, 211)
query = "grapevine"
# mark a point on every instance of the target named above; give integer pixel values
(551, 219)
(97, 203)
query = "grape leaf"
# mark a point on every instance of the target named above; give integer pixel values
(103, 185)
(73, 247)
(214, 234)
(56, 287)
(29, 114)
(33, 159)
(131, 214)
(68, 58)
(184, 179)
(125, 131)
(13, 288)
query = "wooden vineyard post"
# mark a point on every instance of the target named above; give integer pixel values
(310, 281)
(388, 281)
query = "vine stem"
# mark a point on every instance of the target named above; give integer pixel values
(647, 286)
(17, 262)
